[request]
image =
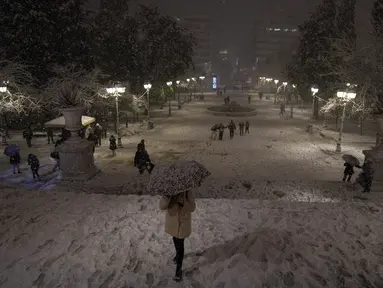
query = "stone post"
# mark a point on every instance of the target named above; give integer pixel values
(76, 154)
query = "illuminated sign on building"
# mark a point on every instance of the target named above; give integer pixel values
(214, 82)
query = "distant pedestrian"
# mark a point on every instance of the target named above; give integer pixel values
(232, 128)
(35, 166)
(249, 99)
(366, 176)
(260, 94)
(221, 129)
(282, 109)
(15, 160)
(112, 144)
(98, 134)
(247, 127)
(142, 160)
(348, 172)
(241, 128)
(28, 134)
(50, 136)
(56, 156)
(214, 132)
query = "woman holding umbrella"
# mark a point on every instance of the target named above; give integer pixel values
(175, 182)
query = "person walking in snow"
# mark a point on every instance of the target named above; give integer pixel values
(232, 128)
(241, 128)
(28, 134)
(112, 144)
(260, 94)
(249, 98)
(221, 129)
(97, 134)
(50, 136)
(214, 132)
(366, 176)
(282, 109)
(15, 160)
(142, 160)
(178, 224)
(348, 172)
(247, 127)
(35, 165)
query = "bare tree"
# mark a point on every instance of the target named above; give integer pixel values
(20, 95)
(72, 88)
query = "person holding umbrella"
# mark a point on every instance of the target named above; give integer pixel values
(350, 163)
(13, 152)
(174, 182)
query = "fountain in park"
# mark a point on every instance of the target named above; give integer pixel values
(232, 109)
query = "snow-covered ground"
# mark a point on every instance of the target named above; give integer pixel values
(272, 214)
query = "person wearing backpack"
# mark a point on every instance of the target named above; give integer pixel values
(35, 166)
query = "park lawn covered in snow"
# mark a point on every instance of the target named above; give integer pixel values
(66, 239)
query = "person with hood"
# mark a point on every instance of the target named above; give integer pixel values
(15, 160)
(35, 165)
(28, 134)
(178, 224)
(241, 128)
(247, 127)
(366, 176)
(142, 144)
(142, 160)
(112, 144)
(221, 129)
(232, 128)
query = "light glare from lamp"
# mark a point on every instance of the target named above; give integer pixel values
(284, 83)
(169, 83)
(276, 81)
(3, 89)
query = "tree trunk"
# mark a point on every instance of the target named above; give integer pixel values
(361, 123)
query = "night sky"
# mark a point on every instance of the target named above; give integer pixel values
(233, 20)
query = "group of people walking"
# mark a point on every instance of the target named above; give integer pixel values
(365, 177)
(219, 129)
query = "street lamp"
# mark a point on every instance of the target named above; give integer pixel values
(345, 97)
(169, 83)
(294, 86)
(115, 92)
(314, 90)
(4, 87)
(179, 101)
(147, 87)
(276, 81)
(202, 86)
(188, 80)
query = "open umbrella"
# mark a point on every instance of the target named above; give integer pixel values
(351, 159)
(174, 178)
(11, 150)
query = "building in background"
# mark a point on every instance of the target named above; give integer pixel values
(200, 27)
(274, 47)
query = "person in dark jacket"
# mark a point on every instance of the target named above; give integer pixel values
(247, 127)
(98, 134)
(348, 172)
(142, 160)
(232, 128)
(142, 143)
(65, 134)
(214, 132)
(249, 99)
(28, 134)
(112, 144)
(241, 128)
(35, 165)
(366, 176)
(50, 136)
(282, 109)
(221, 129)
(15, 160)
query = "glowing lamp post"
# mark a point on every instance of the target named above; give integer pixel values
(169, 83)
(115, 92)
(314, 91)
(345, 97)
(178, 99)
(3, 89)
(147, 87)
(276, 81)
